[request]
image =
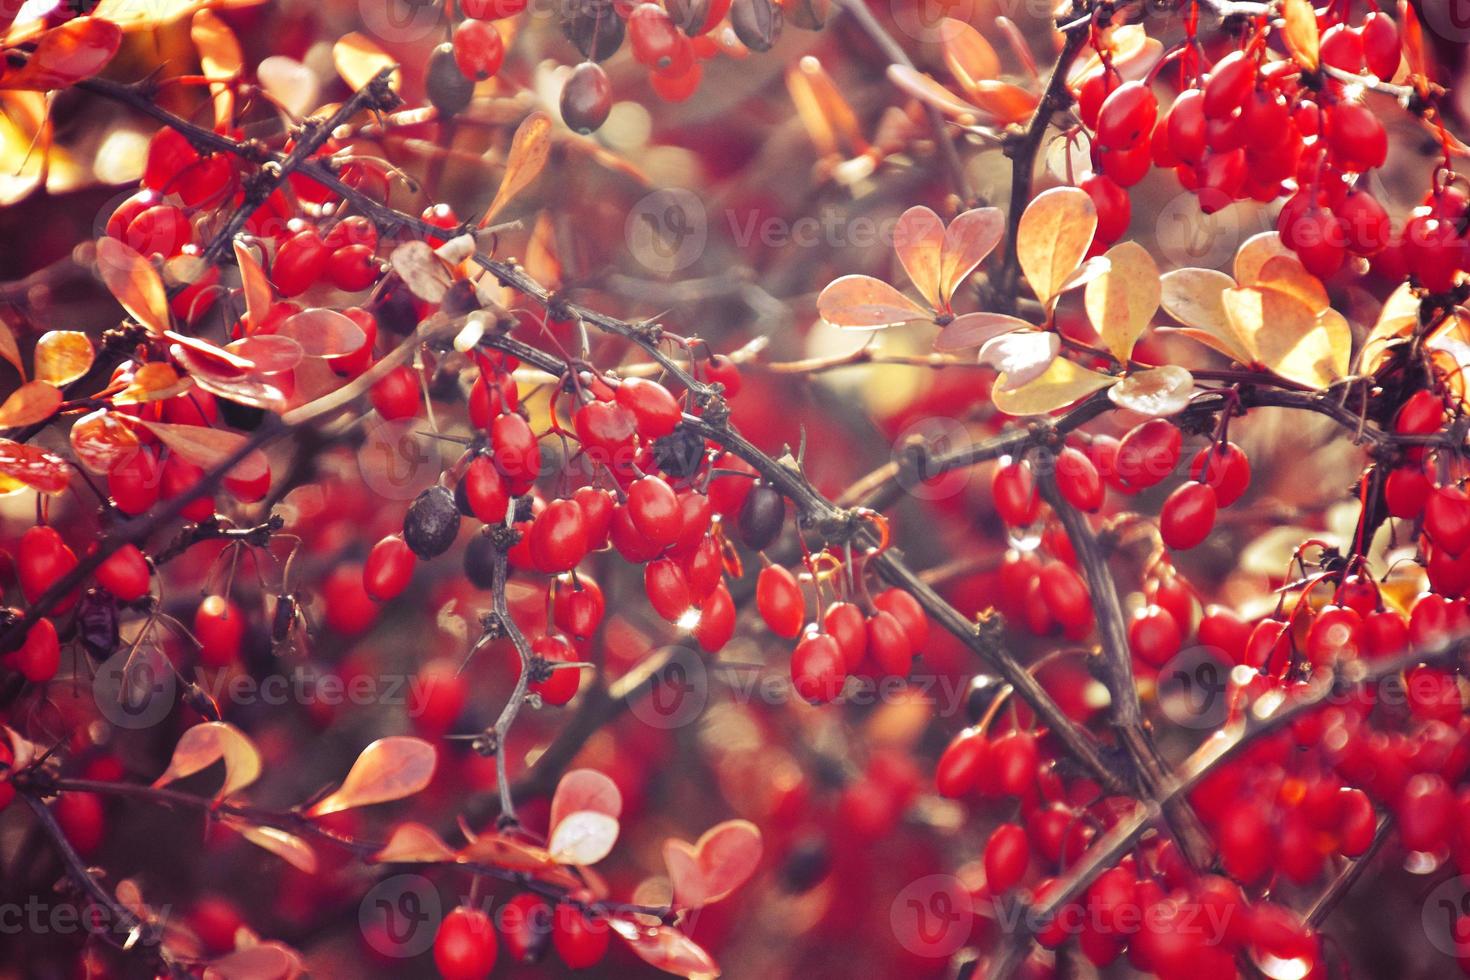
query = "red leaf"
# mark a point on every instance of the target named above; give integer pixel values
(722, 860)
(323, 333)
(208, 448)
(668, 949)
(67, 54)
(388, 769)
(34, 468)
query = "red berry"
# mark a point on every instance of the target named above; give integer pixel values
(396, 395)
(578, 608)
(1079, 481)
(1007, 855)
(1226, 468)
(888, 645)
(478, 49)
(1335, 635)
(716, 620)
(516, 452)
(910, 615)
(465, 945)
(1381, 45)
(125, 573)
(655, 511)
(1013, 490)
(960, 765)
(844, 622)
(1229, 83)
(353, 268)
(656, 410)
(780, 602)
(562, 685)
(1188, 516)
(667, 588)
(219, 626)
(1127, 116)
(1148, 453)
(299, 262)
(491, 9)
(42, 560)
(1114, 207)
(559, 536)
(1066, 597)
(134, 483)
(581, 942)
(388, 569)
(1355, 137)
(1154, 636)
(817, 668)
(1342, 48)
(40, 654)
(657, 43)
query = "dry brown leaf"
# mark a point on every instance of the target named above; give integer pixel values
(529, 149)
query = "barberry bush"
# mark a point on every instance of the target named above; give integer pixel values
(816, 487)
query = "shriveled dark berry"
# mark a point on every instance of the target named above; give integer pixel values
(981, 695)
(680, 453)
(97, 625)
(446, 86)
(757, 23)
(432, 523)
(594, 27)
(761, 517)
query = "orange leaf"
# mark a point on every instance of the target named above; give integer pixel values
(256, 286)
(290, 848)
(207, 448)
(927, 90)
(918, 238)
(1005, 102)
(263, 961)
(217, 379)
(865, 303)
(32, 402)
(968, 55)
(971, 237)
(506, 852)
(723, 859)
(974, 329)
(358, 58)
(220, 57)
(101, 441)
(36, 468)
(152, 382)
(134, 282)
(1302, 38)
(63, 356)
(413, 843)
(667, 948)
(67, 54)
(388, 769)
(9, 349)
(323, 333)
(203, 745)
(528, 151)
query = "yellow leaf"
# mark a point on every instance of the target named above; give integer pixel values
(220, 57)
(10, 350)
(32, 402)
(1302, 39)
(152, 382)
(528, 151)
(1282, 335)
(134, 282)
(1397, 319)
(1254, 253)
(1054, 235)
(63, 356)
(1287, 274)
(1063, 383)
(358, 58)
(1196, 298)
(1122, 301)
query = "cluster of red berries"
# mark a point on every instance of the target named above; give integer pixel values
(468, 943)
(1254, 127)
